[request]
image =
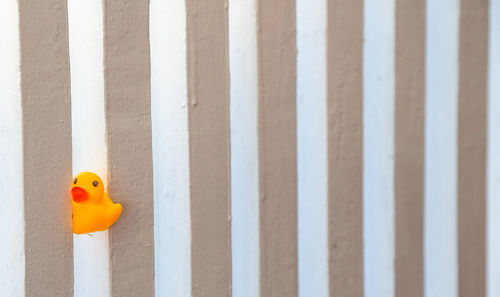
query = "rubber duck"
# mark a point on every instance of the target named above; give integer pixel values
(93, 210)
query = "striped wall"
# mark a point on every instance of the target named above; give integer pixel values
(271, 148)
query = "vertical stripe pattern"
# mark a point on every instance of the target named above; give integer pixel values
(345, 147)
(128, 122)
(208, 114)
(12, 255)
(440, 204)
(244, 151)
(47, 147)
(277, 148)
(472, 105)
(493, 157)
(378, 147)
(260, 148)
(409, 147)
(170, 148)
(312, 164)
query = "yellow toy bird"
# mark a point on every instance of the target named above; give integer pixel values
(93, 210)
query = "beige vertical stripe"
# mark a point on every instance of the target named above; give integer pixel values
(409, 150)
(472, 147)
(345, 147)
(208, 111)
(277, 148)
(128, 120)
(47, 147)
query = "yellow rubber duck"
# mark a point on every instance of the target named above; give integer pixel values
(93, 210)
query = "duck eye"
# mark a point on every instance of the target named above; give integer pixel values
(74, 181)
(94, 183)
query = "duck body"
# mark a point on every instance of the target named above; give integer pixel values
(95, 217)
(93, 210)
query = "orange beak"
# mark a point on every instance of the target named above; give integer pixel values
(79, 194)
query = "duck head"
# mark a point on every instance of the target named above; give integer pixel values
(87, 188)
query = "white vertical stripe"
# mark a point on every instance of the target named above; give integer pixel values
(244, 154)
(378, 148)
(440, 226)
(493, 176)
(170, 148)
(91, 251)
(11, 155)
(312, 161)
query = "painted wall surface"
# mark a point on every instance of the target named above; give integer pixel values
(493, 146)
(277, 142)
(242, 17)
(409, 147)
(128, 135)
(209, 146)
(472, 133)
(378, 147)
(345, 147)
(170, 142)
(47, 162)
(259, 148)
(312, 157)
(91, 252)
(440, 228)
(12, 255)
